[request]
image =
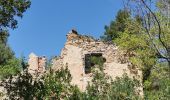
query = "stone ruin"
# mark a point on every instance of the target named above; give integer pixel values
(36, 64)
(75, 54)
(36, 68)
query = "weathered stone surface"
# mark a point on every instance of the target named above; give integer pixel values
(73, 56)
(36, 64)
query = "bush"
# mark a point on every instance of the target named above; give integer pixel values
(56, 85)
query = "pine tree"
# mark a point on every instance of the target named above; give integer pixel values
(116, 26)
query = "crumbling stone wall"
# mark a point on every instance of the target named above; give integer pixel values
(73, 56)
(36, 64)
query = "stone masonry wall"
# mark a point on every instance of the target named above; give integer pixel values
(36, 64)
(73, 56)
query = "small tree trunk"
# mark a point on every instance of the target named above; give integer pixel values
(169, 68)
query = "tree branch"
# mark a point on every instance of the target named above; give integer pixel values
(159, 31)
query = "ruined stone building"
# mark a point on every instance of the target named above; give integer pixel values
(76, 54)
(36, 64)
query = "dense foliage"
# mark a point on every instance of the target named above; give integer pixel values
(145, 40)
(117, 26)
(56, 85)
(141, 32)
(9, 11)
(104, 88)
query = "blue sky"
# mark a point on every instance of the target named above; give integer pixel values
(44, 26)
